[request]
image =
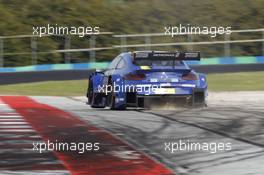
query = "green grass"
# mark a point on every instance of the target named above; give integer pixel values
(48, 88)
(244, 81)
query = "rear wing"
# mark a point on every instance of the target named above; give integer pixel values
(167, 56)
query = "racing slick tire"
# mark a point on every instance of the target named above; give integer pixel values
(112, 101)
(95, 100)
(89, 94)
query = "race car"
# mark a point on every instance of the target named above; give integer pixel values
(142, 78)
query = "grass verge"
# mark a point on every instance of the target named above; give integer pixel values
(47, 88)
(242, 81)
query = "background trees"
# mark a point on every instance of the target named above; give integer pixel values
(124, 16)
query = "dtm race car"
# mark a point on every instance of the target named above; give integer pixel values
(143, 78)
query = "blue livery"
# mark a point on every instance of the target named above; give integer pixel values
(143, 78)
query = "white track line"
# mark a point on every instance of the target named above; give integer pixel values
(42, 172)
(12, 119)
(14, 123)
(10, 116)
(15, 127)
(17, 135)
(16, 130)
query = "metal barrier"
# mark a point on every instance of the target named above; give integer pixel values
(76, 74)
(123, 44)
(226, 42)
(67, 47)
(103, 65)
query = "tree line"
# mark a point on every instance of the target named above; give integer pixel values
(124, 17)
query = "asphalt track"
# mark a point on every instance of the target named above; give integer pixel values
(132, 141)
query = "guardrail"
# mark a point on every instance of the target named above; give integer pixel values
(226, 41)
(79, 74)
(123, 44)
(103, 65)
(34, 52)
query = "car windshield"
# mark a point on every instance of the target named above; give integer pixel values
(159, 63)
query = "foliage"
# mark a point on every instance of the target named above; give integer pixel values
(123, 16)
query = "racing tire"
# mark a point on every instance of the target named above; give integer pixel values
(190, 103)
(89, 93)
(112, 103)
(96, 100)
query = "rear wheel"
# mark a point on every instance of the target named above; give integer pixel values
(111, 97)
(112, 100)
(97, 101)
(90, 92)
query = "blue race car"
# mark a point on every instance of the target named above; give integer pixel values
(143, 78)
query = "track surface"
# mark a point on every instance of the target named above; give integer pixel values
(235, 118)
